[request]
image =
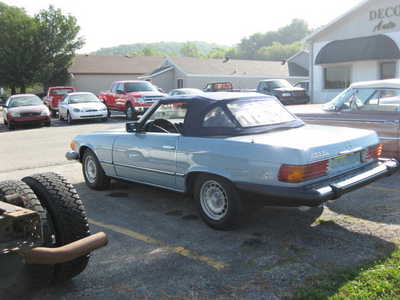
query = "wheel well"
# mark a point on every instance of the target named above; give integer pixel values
(82, 151)
(191, 179)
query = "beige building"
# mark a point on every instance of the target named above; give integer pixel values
(95, 73)
(187, 72)
(361, 45)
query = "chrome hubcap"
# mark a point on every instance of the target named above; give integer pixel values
(213, 200)
(90, 169)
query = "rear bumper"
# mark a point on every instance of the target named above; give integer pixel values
(321, 192)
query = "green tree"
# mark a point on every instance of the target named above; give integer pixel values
(190, 49)
(58, 41)
(249, 48)
(218, 52)
(18, 48)
(148, 51)
(277, 51)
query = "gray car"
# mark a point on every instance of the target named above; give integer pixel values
(223, 147)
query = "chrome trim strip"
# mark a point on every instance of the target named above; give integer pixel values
(354, 120)
(389, 138)
(106, 162)
(180, 175)
(351, 151)
(146, 169)
(148, 183)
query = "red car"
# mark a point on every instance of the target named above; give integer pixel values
(25, 109)
(54, 95)
(131, 97)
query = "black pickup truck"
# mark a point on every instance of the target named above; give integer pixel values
(284, 91)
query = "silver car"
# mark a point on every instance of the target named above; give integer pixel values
(221, 146)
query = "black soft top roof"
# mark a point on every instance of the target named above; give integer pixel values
(200, 105)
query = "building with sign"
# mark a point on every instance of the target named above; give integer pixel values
(361, 45)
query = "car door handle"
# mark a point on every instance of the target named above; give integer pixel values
(168, 147)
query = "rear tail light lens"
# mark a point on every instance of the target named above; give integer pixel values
(373, 152)
(299, 173)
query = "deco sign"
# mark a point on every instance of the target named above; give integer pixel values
(382, 15)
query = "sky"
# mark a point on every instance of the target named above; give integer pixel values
(112, 23)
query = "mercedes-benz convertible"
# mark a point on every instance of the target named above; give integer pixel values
(223, 147)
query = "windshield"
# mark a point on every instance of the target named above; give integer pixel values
(83, 98)
(277, 84)
(139, 87)
(259, 113)
(25, 101)
(60, 92)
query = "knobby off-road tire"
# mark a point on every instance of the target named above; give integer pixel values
(94, 175)
(66, 215)
(24, 277)
(225, 212)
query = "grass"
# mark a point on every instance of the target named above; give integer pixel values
(373, 281)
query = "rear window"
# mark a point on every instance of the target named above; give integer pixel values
(259, 113)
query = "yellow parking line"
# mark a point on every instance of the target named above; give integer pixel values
(179, 250)
(383, 189)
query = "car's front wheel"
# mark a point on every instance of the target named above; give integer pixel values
(218, 202)
(93, 173)
(69, 119)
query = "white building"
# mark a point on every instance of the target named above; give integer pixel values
(361, 45)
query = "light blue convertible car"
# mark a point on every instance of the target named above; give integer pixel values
(223, 147)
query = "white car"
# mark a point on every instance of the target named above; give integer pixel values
(80, 106)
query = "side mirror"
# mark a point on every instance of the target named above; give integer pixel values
(133, 127)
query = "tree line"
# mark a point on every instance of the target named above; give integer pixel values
(272, 45)
(36, 49)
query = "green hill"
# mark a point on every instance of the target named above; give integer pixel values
(167, 48)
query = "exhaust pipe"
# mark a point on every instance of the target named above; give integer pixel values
(52, 256)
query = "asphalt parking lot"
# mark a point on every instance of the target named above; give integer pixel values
(160, 249)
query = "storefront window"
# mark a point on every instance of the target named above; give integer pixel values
(388, 70)
(337, 77)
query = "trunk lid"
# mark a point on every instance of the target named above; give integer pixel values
(343, 147)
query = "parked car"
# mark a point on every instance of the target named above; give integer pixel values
(284, 91)
(219, 87)
(217, 145)
(305, 84)
(131, 97)
(25, 109)
(185, 91)
(81, 106)
(54, 95)
(371, 105)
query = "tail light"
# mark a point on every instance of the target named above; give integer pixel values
(373, 152)
(299, 173)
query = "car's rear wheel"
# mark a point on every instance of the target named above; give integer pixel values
(93, 173)
(218, 202)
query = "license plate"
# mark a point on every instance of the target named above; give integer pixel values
(347, 160)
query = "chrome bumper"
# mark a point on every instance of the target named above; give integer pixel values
(72, 155)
